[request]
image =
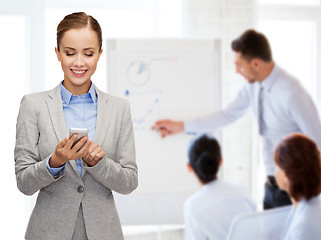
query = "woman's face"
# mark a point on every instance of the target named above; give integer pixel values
(281, 179)
(78, 54)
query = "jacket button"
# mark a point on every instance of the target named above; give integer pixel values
(80, 189)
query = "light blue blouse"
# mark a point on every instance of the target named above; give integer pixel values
(304, 221)
(210, 212)
(79, 112)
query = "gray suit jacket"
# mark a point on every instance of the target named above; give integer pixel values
(40, 126)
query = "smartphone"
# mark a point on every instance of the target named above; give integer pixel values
(81, 132)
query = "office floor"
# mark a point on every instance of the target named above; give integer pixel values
(154, 232)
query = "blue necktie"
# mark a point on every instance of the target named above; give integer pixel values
(260, 111)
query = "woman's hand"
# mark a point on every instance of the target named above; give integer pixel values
(65, 152)
(93, 155)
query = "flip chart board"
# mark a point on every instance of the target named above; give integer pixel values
(177, 79)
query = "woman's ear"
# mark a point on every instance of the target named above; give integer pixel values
(286, 180)
(58, 54)
(221, 162)
(101, 51)
(189, 167)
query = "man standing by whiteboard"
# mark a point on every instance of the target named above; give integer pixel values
(278, 101)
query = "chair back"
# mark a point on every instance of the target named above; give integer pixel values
(265, 225)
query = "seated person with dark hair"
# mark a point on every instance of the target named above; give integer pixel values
(298, 172)
(210, 212)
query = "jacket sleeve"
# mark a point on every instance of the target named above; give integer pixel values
(119, 174)
(31, 171)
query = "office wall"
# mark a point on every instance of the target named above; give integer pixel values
(223, 19)
(227, 19)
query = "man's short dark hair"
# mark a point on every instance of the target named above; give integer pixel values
(252, 44)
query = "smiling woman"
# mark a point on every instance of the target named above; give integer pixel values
(78, 52)
(75, 182)
(79, 43)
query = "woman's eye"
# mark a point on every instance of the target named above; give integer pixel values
(70, 54)
(89, 54)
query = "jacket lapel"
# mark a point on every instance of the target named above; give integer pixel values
(55, 107)
(104, 110)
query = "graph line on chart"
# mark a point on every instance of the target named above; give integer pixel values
(145, 107)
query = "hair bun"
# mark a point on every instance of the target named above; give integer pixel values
(206, 165)
(204, 157)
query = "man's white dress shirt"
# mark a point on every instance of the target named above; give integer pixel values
(287, 108)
